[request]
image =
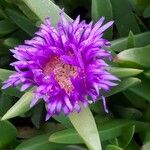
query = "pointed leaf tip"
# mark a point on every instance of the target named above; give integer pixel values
(20, 107)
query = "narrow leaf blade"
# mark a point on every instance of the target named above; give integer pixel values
(20, 107)
(85, 125)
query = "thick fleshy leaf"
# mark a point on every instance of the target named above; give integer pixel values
(134, 57)
(63, 120)
(3, 49)
(26, 10)
(11, 42)
(140, 40)
(140, 4)
(123, 85)
(6, 26)
(85, 125)
(146, 13)
(147, 74)
(146, 144)
(4, 74)
(124, 72)
(126, 138)
(7, 133)
(131, 40)
(20, 107)
(37, 115)
(5, 103)
(20, 20)
(38, 143)
(113, 147)
(107, 131)
(102, 8)
(128, 112)
(2, 14)
(143, 89)
(124, 17)
(135, 100)
(45, 8)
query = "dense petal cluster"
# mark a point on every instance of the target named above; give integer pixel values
(66, 65)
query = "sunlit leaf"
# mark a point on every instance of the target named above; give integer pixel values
(4, 74)
(134, 57)
(45, 8)
(140, 40)
(85, 125)
(20, 107)
(124, 72)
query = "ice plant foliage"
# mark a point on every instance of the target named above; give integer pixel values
(65, 65)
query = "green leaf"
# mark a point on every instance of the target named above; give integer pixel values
(146, 114)
(2, 14)
(7, 133)
(135, 99)
(102, 8)
(4, 74)
(63, 120)
(124, 72)
(146, 13)
(108, 130)
(126, 138)
(37, 115)
(131, 40)
(38, 143)
(5, 103)
(132, 146)
(74, 147)
(134, 57)
(123, 85)
(147, 74)
(45, 8)
(85, 125)
(3, 49)
(128, 112)
(27, 12)
(143, 89)
(22, 22)
(147, 138)
(140, 40)
(6, 26)
(146, 145)
(11, 42)
(4, 61)
(113, 147)
(141, 4)
(124, 17)
(20, 107)
(11, 91)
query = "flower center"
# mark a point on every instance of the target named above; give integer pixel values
(63, 73)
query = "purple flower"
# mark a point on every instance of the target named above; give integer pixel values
(66, 65)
